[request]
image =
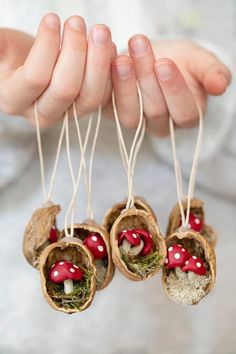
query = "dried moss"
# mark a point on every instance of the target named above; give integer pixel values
(142, 266)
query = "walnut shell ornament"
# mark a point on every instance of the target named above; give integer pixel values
(196, 221)
(138, 249)
(115, 211)
(37, 232)
(72, 257)
(96, 239)
(190, 267)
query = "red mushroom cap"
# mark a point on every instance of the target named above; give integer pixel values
(131, 236)
(195, 265)
(53, 235)
(63, 270)
(176, 256)
(195, 222)
(96, 245)
(147, 239)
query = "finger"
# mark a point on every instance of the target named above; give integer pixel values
(68, 73)
(155, 108)
(180, 101)
(108, 89)
(209, 71)
(22, 87)
(125, 89)
(97, 70)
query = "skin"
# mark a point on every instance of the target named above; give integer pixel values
(84, 67)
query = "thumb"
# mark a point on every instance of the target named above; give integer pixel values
(209, 71)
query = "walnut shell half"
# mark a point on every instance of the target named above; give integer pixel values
(115, 211)
(185, 291)
(131, 219)
(197, 208)
(105, 268)
(70, 249)
(36, 236)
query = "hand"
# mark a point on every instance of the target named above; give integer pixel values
(53, 71)
(169, 86)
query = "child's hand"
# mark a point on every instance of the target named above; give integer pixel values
(168, 86)
(55, 71)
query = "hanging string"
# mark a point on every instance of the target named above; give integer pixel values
(129, 161)
(178, 173)
(47, 197)
(82, 165)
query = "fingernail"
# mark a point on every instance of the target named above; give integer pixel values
(124, 70)
(138, 46)
(164, 71)
(100, 35)
(52, 21)
(76, 23)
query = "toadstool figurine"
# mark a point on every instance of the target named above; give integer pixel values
(177, 255)
(96, 245)
(146, 237)
(53, 235)
(194, 265)
(195, 222)
(130, 242)
(66, 272)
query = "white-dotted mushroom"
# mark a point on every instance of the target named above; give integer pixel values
(194, 265)
(66, 272)
(177, 255)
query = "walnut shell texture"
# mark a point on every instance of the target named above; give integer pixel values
(130, 219)
(37, 232)
(198, 246)
(197, 207)
(114, 212)
(70, 249)
(84, 229)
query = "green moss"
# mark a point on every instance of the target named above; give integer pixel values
(76, 299)
(142, 266)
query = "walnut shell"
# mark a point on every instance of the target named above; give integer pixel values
(135, 218)
(115, 211)
(37, 232)
(198, 246)
(70, 249)
(197, 207)
(80, 232)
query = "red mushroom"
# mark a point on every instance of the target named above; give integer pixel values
(194, 265)
(66, 272)
(53, 235)
(147, 239)
(130, 242)
(177, 255)
(195, 222)
(95, 243)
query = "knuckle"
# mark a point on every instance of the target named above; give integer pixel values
(36, 81)
(128, 122)
(64, 92)
(89, 105)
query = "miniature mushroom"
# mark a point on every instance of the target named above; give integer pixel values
(95, 243)
(177, 255)
(195, 222)
(130, 242)
(147, 239)
(53, 235)
(194, 265)
(66, 272)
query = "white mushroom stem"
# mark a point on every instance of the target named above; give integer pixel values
(68, 286)
(179, 273)
(132, 251)
(191, 275)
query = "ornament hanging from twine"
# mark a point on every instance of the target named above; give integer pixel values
(190, 266)
(138, 249)
(41, 229)
(97, 272)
